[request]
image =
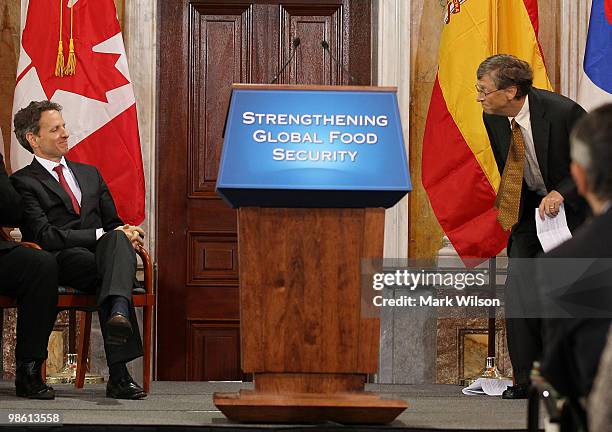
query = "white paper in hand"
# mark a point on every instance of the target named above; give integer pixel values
(487, 386)
(552, 231)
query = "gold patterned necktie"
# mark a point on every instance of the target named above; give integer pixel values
(509, 194)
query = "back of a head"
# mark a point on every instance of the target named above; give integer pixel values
(507, 70)
(591, 142)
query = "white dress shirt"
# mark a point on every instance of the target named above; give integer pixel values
(532, 173)
(72, 183)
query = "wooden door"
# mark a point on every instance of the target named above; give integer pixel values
(204, 47)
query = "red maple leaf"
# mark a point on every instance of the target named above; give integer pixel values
(94, 22)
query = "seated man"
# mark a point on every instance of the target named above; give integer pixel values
(573, 346)
(36, 293)
(600, 399)
(69, 211)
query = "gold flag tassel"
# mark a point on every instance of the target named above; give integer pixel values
(59, 63)
(71, 65)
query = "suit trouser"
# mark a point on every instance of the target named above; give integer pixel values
(107, 270)
(523, 333)
(31, 275)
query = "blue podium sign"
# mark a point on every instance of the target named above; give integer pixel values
(293, 146)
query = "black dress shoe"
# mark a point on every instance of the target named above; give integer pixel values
(124, 388)
(118, 329)
(518, 391)
(29, 383)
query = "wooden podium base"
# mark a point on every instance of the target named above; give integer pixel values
(248, 406)
(308, 398)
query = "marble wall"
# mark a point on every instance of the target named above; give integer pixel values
(401, 335)
(139, 34)
(9, 53)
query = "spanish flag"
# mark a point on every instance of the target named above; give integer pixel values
(459, 170)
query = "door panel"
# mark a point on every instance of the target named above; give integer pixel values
(205, 46)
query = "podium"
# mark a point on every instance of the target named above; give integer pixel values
(305, 227)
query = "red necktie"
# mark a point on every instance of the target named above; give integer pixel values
(75, 204)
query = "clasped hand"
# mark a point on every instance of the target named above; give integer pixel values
(134, 234)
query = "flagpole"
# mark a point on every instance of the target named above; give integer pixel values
(490, 369)
(494, 25)
(492, 289)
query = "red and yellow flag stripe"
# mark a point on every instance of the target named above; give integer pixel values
(459, 170)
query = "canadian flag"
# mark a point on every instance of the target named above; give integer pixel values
(98, 101)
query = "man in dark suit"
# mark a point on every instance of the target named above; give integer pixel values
(573, 345)
(600, 399)
(529, 133)
(69, 211)
(36, 293)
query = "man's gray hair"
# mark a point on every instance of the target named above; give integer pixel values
(27, 120)
(507, 70)
(591, 148)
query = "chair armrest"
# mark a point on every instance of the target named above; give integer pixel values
(5, 236)
(30, 245)
(147, 267)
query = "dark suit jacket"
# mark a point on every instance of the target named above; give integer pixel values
(49, 218)
(10, 205)
(573, 346)
(552, 118)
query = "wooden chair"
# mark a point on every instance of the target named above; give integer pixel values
(70, 299)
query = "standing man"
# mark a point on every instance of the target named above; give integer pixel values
(69, 211)
(36, 293)
(529, 133)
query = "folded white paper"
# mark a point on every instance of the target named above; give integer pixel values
(552, 231)
(487, 386)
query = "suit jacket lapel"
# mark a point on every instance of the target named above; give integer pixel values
(50, 183)
(540, 129)
(504, 137)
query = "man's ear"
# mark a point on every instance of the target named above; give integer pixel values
(579, 175)
(31, 139)
(510, 92)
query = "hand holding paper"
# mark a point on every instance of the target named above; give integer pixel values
(552, 231)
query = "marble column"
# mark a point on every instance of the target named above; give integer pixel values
(573, 33)
(9, 52)
(407, 350)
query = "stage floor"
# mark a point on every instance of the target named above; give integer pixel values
(189, 404)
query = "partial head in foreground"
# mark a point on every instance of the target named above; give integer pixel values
(591, 152)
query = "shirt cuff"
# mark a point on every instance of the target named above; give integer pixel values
(99, 233)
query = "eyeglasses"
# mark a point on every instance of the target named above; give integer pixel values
(485, 93)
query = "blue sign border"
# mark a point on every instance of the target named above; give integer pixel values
(243, 168)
